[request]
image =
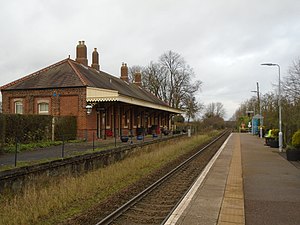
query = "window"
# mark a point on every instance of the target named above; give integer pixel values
(43, 108)
(18, 107)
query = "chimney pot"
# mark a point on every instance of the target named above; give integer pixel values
(81, 53)
(138, 79)
(95, 59)
(124, 72)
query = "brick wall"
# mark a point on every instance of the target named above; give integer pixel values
(62, 102)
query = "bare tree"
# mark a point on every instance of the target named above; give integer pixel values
(132, 70)
(213, 116)
(178, 78)
(291, 83)
(154, 80)
(192, 107)
(169, 79)
(214, 110)
(220, 111)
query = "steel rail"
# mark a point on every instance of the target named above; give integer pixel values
(118, 212)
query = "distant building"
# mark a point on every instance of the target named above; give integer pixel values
(103, 104)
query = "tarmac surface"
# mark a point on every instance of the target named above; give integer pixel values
(69, 149)
(248, 183)
(271, 185)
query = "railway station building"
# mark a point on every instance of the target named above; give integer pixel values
(103, 104)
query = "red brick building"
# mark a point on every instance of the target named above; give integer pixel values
(102, 103)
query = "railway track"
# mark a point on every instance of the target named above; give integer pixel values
(155, 203)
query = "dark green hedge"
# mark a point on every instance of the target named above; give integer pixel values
(34, 128)
(65, 128)
(26, 128)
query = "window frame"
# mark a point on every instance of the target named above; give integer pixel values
(18, 105)
(40, 103)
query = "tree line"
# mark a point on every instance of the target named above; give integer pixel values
(290, 104)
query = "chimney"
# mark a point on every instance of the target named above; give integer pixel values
(124, 72)
(95, 59)
(81, 53)
(138, 79)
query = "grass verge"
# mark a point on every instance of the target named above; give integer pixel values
(73, 195)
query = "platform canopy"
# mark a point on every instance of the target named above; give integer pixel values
(95, 95)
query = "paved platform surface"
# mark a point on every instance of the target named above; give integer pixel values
(248, 183)
(271, 185)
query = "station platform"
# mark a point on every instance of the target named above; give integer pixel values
(245, 183)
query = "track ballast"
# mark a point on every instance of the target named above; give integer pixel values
(155, 203)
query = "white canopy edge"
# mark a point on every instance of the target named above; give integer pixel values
(94, 95)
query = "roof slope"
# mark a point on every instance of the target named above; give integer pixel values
(57, 75)
(99, 79)
(69, 73)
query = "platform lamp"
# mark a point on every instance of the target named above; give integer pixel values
(279, 103)
(88, 109)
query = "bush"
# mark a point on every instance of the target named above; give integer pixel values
(296, 139)
(275, 133)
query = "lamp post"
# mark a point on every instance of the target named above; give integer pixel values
(259, 106)
(279, 103)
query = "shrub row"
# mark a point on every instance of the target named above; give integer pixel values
(65, 128)
(34, 128)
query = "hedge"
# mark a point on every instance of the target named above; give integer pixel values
(65, 128)
(34, 128)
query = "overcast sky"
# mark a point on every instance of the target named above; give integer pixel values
(224, 41)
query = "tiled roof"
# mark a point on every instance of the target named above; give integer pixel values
(69, 73)
(59, 75)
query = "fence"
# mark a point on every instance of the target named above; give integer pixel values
(15, 180)
(66, 148)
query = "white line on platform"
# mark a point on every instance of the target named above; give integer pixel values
(187, 199)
